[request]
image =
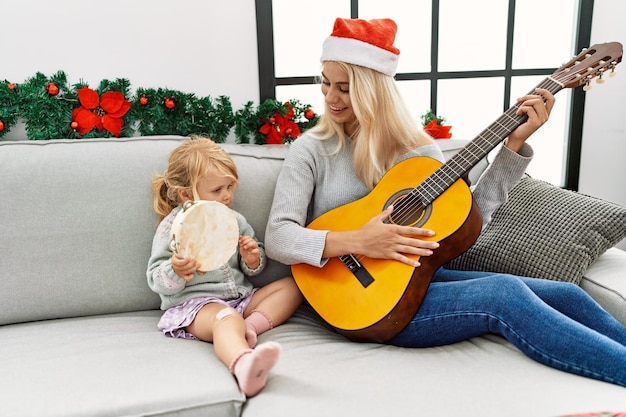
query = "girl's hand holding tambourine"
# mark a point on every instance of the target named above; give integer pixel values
(249, 250)
(185, 267)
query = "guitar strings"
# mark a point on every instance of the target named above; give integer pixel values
(414, 203)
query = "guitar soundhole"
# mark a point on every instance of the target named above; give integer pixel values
(408, 209)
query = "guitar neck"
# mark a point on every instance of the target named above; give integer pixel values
(461, 163)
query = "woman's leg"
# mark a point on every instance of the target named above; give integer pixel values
(568, 298)
(456, 309)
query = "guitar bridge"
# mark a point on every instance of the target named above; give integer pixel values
(359, 271)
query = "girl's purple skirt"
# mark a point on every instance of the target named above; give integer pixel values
(177, 318)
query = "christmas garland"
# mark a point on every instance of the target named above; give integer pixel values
(52, 109)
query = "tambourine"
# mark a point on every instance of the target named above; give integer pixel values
(206, 231)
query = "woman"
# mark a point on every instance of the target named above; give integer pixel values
(365, 130)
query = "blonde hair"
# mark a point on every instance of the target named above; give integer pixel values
(384, 127)
(187, 164)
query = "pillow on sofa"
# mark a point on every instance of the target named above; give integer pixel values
(547, 232)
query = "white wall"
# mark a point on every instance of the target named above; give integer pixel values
(203, 47)
(209, 48)
(603, 162)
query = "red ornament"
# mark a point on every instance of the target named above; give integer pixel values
(169, 103)
(143, 100)
(1, 125)
(52, 89)
(74, 125)
(309, 114)
(11, 86)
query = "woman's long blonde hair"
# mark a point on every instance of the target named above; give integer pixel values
(187, 164)
(384, 127)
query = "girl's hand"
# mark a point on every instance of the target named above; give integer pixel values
(249, 250)
(390, 241)
(184, 268)
(537, 107)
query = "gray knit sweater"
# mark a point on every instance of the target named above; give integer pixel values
(313, 181)
(228, 282)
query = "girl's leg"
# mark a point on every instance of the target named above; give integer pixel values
(225, 328)
(458, 309)
(270, 306)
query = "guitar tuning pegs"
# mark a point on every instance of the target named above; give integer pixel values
(613, 72)
(587, 86)
(600, 80)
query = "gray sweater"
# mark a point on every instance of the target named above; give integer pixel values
(313, 181)
(228, 282)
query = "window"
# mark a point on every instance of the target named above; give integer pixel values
(466, 65)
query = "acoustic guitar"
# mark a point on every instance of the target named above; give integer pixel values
(369, 299)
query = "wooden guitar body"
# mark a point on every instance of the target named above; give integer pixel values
(378, 311)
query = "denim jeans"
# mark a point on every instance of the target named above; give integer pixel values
(554, 323)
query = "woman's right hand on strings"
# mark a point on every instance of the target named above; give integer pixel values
(184, 267)
(380, 240)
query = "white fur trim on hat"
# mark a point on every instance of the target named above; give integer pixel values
(353, 51)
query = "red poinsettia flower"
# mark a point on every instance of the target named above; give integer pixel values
(279, 127)
(438, 131)
(104, 113)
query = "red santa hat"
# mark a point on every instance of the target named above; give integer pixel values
(368, 43)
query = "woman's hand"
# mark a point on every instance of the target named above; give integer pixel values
(377, 239)
(537, 107)
(184, 268)
(249, 250)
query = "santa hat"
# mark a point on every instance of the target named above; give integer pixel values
(368, 43)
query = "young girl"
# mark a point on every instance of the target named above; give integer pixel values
(218, 306)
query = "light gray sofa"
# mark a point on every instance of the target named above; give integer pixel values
(78, 332)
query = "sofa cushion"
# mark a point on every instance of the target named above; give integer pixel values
(323, 374)
(111, 365)
(544, 231)
(79, 223)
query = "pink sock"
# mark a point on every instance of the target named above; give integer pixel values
(256, 323)
(251, 367)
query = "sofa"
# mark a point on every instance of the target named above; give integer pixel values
(78, 333)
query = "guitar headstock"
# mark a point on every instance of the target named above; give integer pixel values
(591, 63)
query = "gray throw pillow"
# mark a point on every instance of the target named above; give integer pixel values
(544, 231)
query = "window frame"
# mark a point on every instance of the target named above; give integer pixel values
(268, 80)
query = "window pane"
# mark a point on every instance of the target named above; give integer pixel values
(416, 95)
(550, 141)
(471, 39)
(306, 94)
(456, 102)
(297, 40)
(533, 47)
(414, 27)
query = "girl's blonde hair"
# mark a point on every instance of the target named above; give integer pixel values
(384, 128)
(187, 164)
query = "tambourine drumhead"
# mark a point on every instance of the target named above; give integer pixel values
(206, 231)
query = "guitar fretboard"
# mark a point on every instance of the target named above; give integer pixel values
(461, 163)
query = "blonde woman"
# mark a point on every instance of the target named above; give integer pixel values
(364, 131)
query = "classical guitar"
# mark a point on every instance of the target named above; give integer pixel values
(369, 299)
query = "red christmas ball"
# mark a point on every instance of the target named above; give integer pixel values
(143, 100)
(1, 125)
(74, 125)
(169, 103)
(309, 114)
(52, 89)
(11, 86)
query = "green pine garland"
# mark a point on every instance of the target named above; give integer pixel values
(45, 105)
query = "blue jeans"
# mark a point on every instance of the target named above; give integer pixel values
(554, 323)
